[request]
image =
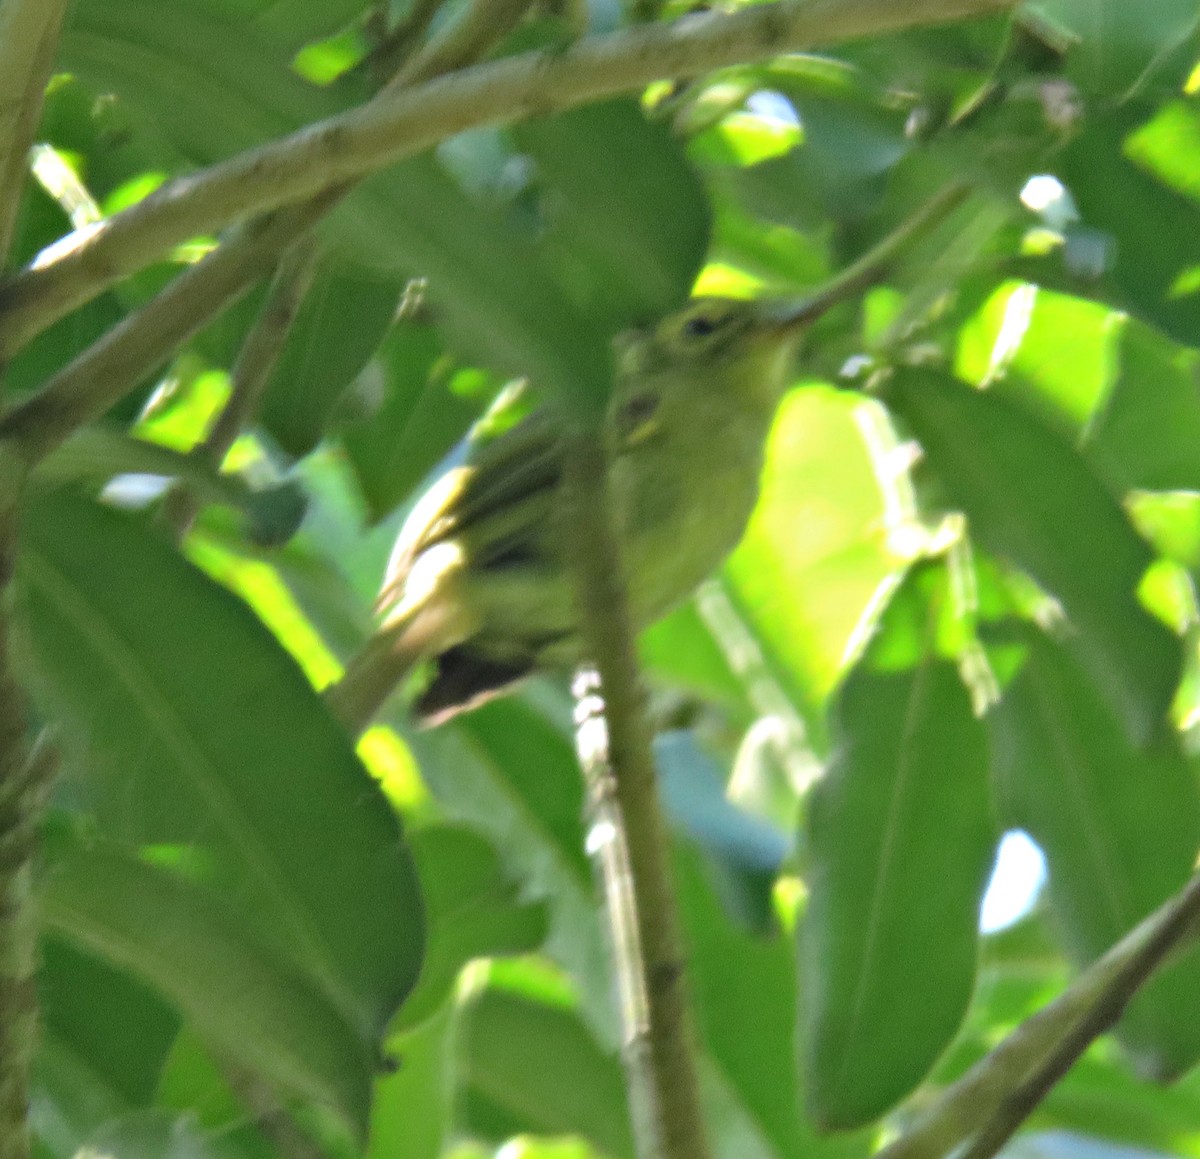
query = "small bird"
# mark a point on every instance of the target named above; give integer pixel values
(477, 583)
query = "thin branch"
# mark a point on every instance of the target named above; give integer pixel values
(354, 144)
(633, 841)
(465, 41)
(992, 1099)
(249, 377)
(29, 31)
(1164, 934)
(85, 388)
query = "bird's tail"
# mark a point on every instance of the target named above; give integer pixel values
(372, 675)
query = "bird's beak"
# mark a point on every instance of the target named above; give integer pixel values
(791, 315)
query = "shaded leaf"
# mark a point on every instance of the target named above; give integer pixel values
(1032, 500)
(241, 995)
(201, 733)
(1119, 827)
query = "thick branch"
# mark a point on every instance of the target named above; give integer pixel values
(85, 388)
(28, 40)
(661, 1062)
(356, 143)
(992, 1099)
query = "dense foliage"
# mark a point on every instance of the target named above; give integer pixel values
(965, 606)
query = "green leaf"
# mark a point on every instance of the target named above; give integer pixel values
(1032, 500)
(1118, 45)
(1119, 827)
(508, 771)
(199, 734)
(337, 330)
(204, 78)
(1136, 210)
(414, 217)
(816, 552)
(901, 842)
(414, 1105)
(1147, 433)
(745, 994)
(472, 910)
(243, 997)
(109, 1020)
(626, 217)
(419, 421)
(533, 1067)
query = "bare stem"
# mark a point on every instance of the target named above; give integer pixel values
(250, 374)
(29, 31)
(350, 146)
(997, 1094)
(631, 836)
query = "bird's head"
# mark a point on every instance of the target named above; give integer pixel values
(747, 345)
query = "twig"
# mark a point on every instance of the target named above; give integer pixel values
(632, 839)
(29, 31)
(354, 144)
(1164, 934)
(992, 1099)
(465, 41)
(248, 379)
(86, 387)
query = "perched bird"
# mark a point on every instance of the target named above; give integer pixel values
(477, 583)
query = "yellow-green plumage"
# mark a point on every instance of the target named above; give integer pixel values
(477, 583)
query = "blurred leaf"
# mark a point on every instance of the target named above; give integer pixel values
(245, 999)
(681, 648)
(745, 994)
(888, 941)
(472, 910)
(205, 78)
(508, 771)
(1137, 210)
(414, 1104)
(533, 1067)
(201, 734)
(1147, 434)
(816, 553)
(413, 217)
(744, 851)
(1119, 827)
(419, 421)
(1033, 501)
(338, 328)
(108, 1019)
(1118, 44)
(628, 221)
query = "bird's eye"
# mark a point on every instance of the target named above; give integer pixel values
(700, 326)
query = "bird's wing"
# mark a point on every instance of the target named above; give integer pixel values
(494, 505)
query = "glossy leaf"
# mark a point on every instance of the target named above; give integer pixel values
(901, 840)
(1032, 500)
(1119, 827)
(197, 731)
